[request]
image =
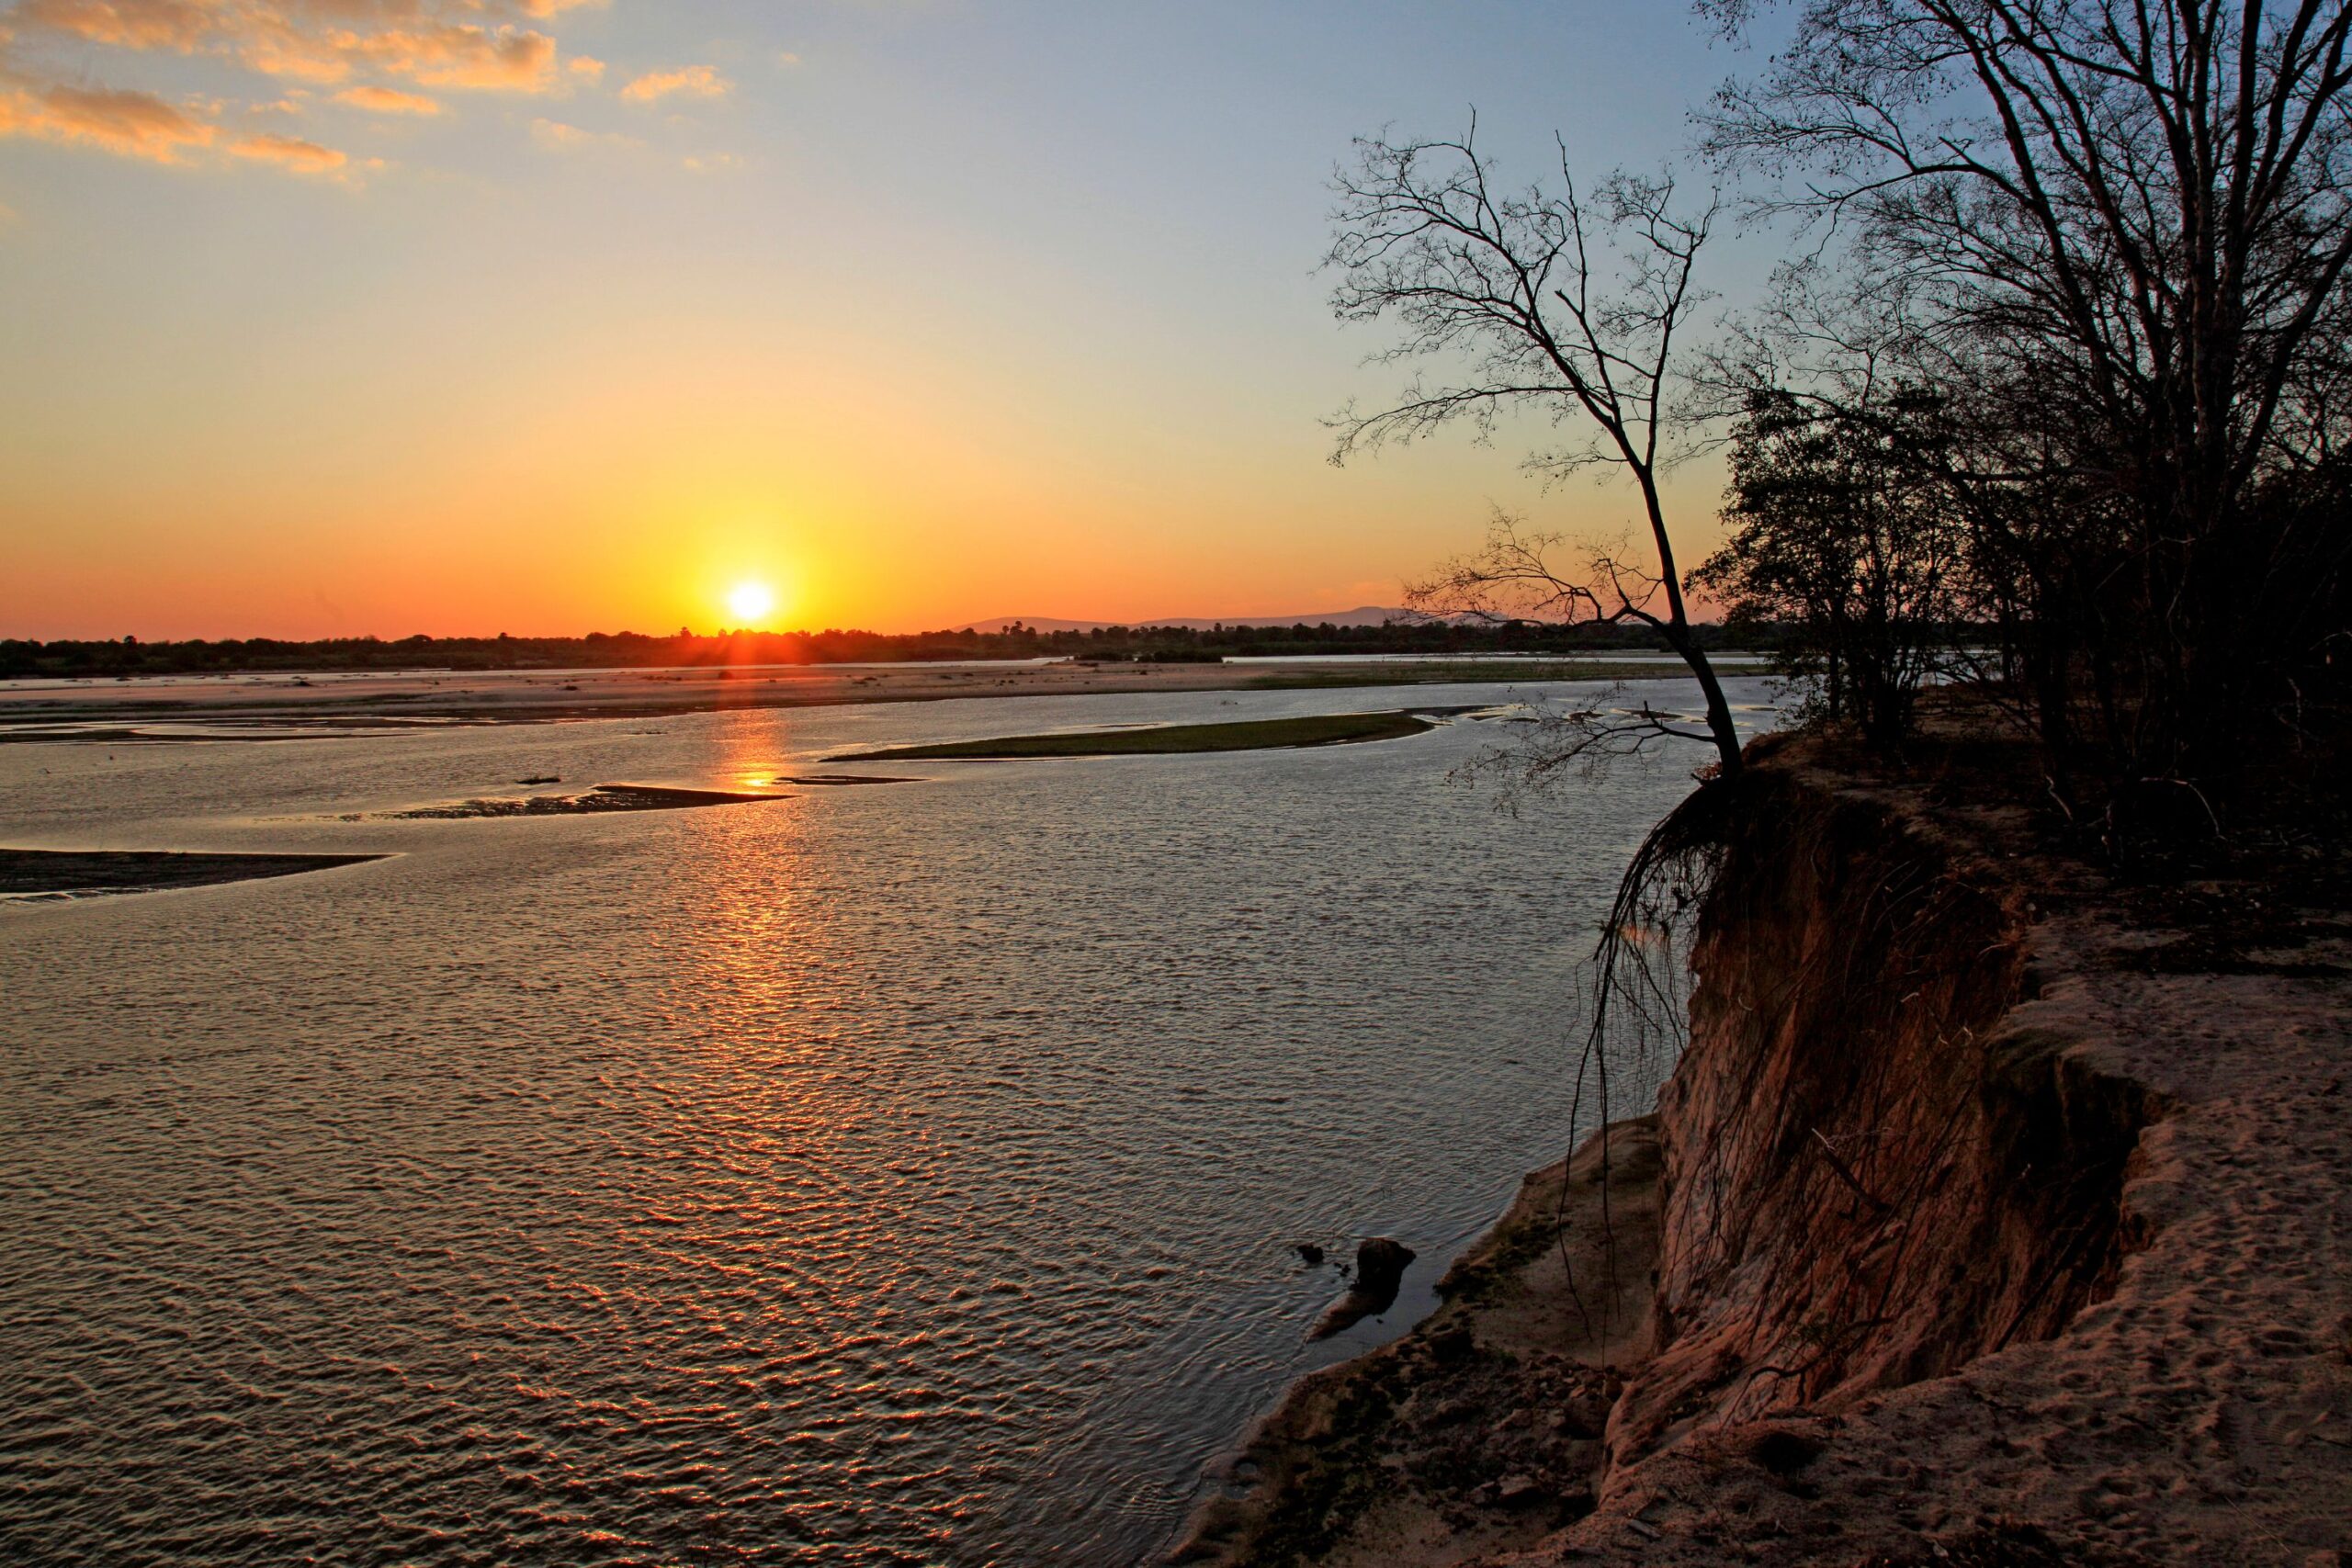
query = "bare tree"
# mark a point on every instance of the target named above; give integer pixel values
(2131, 220)
(1565, 304)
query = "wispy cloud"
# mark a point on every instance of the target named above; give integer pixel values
(290, 153)
(470, 43)
(389, 100)
(129, 124)
(128, 24)
(692, 81)
(558, 137)
(378, 51)
(503, 59)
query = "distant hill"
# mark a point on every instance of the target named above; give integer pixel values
(1362, 615)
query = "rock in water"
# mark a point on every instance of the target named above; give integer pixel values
(1380, 1269)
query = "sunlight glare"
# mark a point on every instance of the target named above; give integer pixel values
(751, 602)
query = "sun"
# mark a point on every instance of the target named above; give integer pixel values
(751, 602)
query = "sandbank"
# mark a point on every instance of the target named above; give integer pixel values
(81, 872)
(1169, 739)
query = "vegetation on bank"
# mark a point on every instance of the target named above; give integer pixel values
(1249, 735)
(2057, 400)
(1485, 672)
(21, 660)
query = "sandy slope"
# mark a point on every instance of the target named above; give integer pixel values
(2200, 1415)
(2193, 1406)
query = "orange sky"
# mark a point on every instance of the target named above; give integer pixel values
(397, 316)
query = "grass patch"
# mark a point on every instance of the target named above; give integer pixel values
(1249, 735)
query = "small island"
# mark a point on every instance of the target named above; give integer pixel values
(1168, 739)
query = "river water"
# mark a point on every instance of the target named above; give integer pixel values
(903, 1174)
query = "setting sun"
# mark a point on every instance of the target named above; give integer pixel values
(751, 602)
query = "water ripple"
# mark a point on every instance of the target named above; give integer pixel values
(887, 1176)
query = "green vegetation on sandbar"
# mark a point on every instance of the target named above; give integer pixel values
(1249, 735)
(1484, 672)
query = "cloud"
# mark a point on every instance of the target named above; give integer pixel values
(788, 60)
(128, 24)
(558, 137)
(468, 57)
(128, 124)
(586, 66)
(389, 100)
(458, 43)
(378, 52)
(695, 81)
(290, 152)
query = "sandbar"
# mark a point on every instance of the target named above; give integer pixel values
(1168, 739)
(75, 872)
(604, 797)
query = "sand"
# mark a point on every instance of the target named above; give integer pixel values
(278, 706)
(2202, 1413)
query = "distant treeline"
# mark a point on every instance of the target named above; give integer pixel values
(21, 660)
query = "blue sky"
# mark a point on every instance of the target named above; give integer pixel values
(934, 310)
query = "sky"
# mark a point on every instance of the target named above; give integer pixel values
(334, 317)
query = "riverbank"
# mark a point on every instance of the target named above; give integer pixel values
(2003, 1216)
(1480, 1428)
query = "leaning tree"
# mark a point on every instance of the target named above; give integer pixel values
(1570, 305)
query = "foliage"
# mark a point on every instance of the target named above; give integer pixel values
(130, 657)
(2116, 239)
(1842, 528)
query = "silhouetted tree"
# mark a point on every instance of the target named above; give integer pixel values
(2120, 232)
(1843, 532)
(1569, 305)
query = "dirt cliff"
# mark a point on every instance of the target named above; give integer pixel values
(2006, 1212)
(2000, 1214)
